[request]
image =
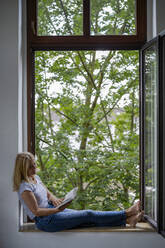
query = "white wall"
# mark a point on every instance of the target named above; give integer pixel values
(155, 17)
(160, 5)
(10, 144)
(150, 19)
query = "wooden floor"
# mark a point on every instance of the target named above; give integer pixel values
(140, 227)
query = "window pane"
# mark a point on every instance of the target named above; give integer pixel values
(113, 17)
(87, 125)
(150, 132)
(56, 17)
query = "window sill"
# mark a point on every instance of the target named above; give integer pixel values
(140, 227)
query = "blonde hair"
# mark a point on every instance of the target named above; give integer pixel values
(22, 163)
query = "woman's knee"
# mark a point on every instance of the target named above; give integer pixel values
(89, 212)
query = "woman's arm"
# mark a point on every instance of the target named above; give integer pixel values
(31, 203)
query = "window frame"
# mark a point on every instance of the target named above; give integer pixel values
(142, 128)
(106, 42)
(161, 215)
(87, 41)
(84, 42)
(160, 42)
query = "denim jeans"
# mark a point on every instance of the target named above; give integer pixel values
(69, 218)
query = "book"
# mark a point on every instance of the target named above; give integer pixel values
(70, 196)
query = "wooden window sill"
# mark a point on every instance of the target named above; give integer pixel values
(140, 227)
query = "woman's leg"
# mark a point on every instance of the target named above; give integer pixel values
(69, 218)
(132, 220)
(73, 218)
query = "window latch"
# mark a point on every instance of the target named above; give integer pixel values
(33, 28)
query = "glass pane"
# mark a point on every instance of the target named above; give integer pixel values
(111, 17)
(150, 132)
(87, 125)
(56, 17)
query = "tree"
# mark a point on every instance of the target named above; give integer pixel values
(86, 115)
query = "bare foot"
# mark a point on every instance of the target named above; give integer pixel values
(134, 210)
(133, 220)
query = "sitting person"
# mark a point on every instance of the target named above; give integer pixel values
(35, 198)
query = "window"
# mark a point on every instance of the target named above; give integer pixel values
(87, 125)
(83, 42)
(152, 132)
(63, 18)
(104, 25)
(85, 35)
(114, 34)
(86, 26)
(57, 18)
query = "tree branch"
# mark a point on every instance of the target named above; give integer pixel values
(66, 17)
(58, 111)
(48, 143)
(93, 180)
(109, 131)
(86, 78)
(88, 72)
(104, 66)
(48, 16)
(114, 103)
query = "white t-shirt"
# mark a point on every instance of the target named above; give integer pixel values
(39, 191)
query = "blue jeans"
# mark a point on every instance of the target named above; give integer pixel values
(69, 218)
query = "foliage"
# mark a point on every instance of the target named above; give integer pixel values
(86, 122)
(65, 17)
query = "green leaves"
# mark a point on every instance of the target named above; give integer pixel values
(86, 125)
(86, 107)
(56, 17)
(113, 17)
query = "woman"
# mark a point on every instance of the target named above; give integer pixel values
(36, 198)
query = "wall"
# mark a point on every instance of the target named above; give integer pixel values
(160, 5)
(155, 18)
(11, 127)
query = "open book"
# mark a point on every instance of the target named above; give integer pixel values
(69, 197)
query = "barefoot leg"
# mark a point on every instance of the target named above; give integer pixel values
(135, 209)
(133, 220)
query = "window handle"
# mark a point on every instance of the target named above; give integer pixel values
(33, 28)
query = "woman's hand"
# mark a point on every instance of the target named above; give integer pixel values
(64, 206)
(56, 201)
